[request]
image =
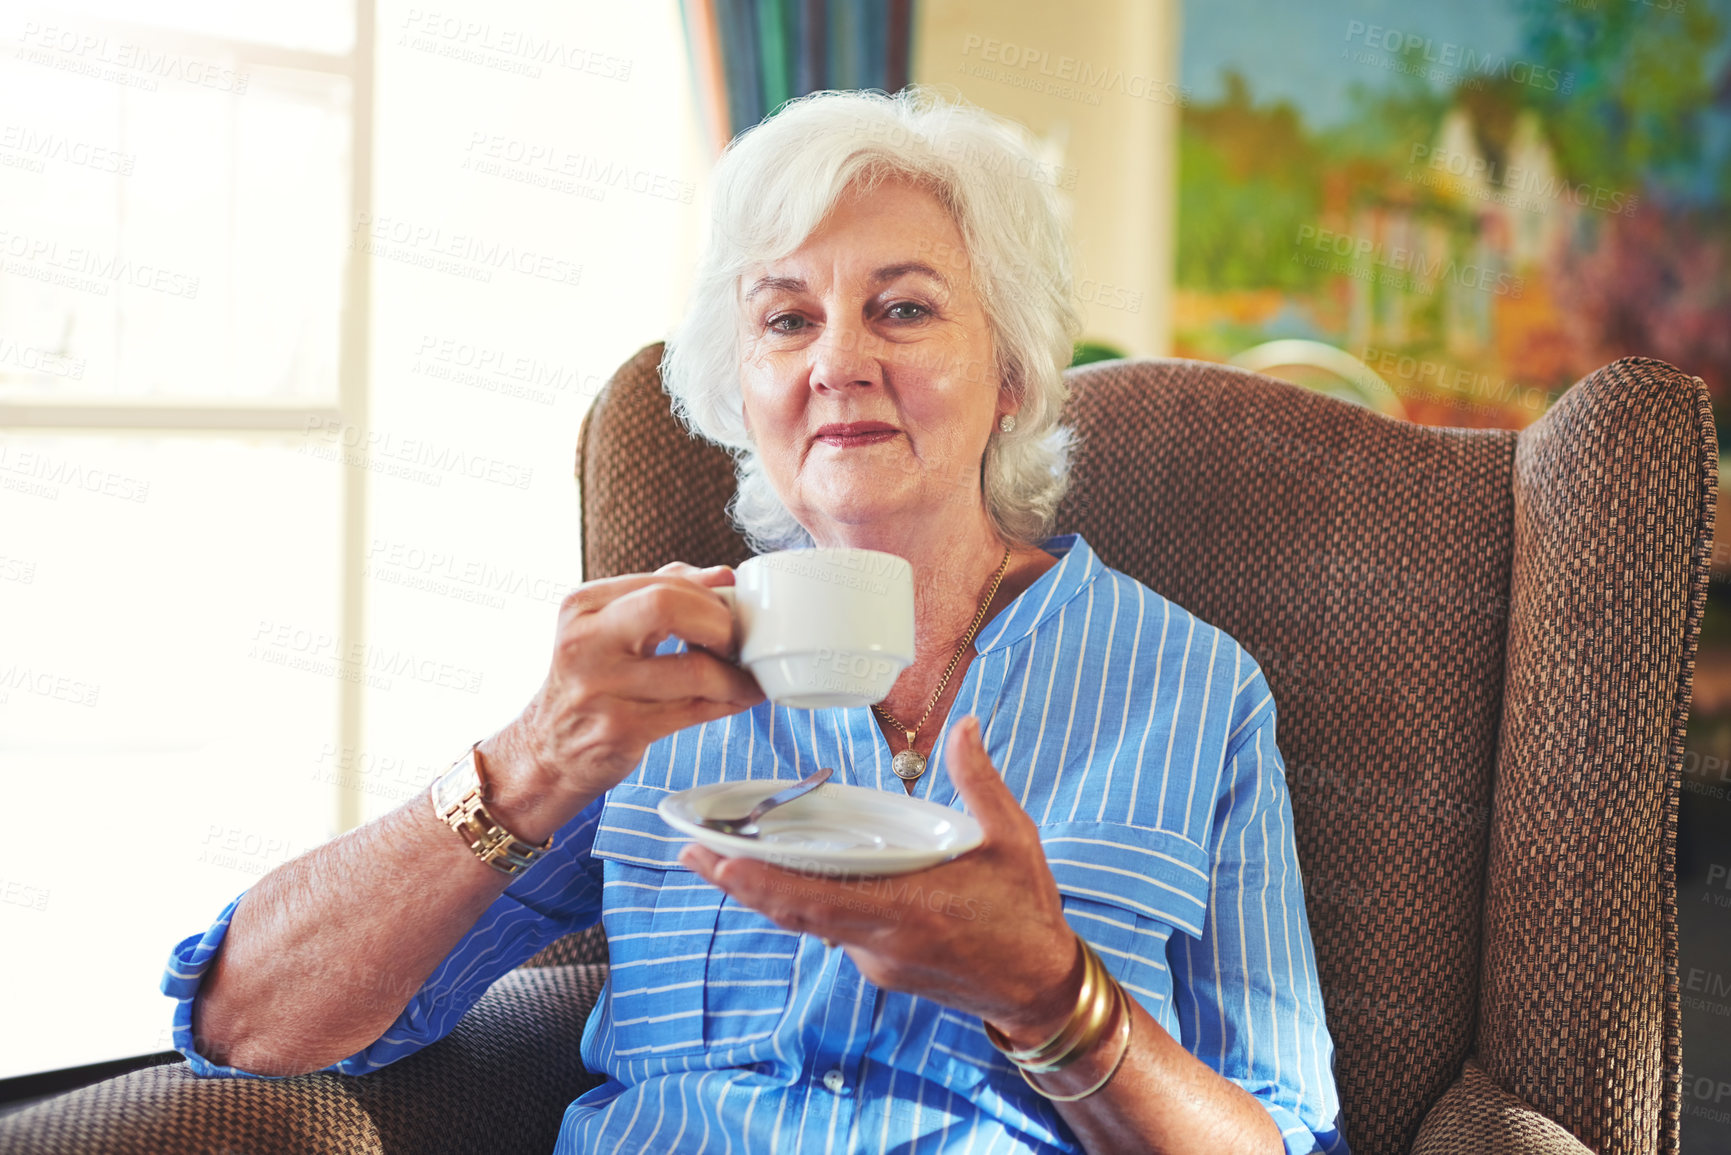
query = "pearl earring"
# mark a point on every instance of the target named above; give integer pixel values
(1007, 423)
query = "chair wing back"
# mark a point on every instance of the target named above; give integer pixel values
(1615, 492)
(1365, 563)
(1370, 566)
(650, 493)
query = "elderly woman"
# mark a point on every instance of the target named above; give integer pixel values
(879, 329)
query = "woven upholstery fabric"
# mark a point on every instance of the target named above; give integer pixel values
(1365, 563)
(1477, 1117)
(500, 1082)
(1614, 497)
(516, 1051)
(651, 494)
(168, 1110)
(586, 946)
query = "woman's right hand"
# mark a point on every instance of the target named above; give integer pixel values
(323, 953)
(607, 696)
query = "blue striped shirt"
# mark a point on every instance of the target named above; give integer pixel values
(1142, 742)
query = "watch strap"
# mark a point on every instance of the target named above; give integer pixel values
(460, 800)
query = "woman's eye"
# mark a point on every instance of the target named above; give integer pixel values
(787, 322)
(905, 311)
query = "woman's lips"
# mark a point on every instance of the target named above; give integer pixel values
(848, 440)
(854, 433)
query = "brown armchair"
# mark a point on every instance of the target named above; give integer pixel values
(1481, 644)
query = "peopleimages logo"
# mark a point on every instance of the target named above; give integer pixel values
(507, 49)
(15, 893)
(473, 579)
(1444, 60)
(42, 475)
(133, 65)
(314, 651)
(1518, 187)
(465, 254)
(88, 270)
(494, 154)
(505, 371)
(413, 458)
(47, 684)
(1395, 265)
(1067, 76)
(1486, 393)
(37, 148)
(34, 359)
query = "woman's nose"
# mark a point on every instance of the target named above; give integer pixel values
(845, 355)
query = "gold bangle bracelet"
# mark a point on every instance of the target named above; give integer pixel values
(1123, 1032)
(1091, 1018)
(1096, 1018)
(1057, 1043)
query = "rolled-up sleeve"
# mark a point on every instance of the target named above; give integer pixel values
(557, 896)
(1246, 992)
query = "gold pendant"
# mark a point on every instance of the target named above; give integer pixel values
(909, 764)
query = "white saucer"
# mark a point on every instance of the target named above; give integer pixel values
(836, 830)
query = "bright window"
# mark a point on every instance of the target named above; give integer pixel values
(300, 309)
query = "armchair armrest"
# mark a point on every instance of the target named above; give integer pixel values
(1477, 1117)
(499, 1082)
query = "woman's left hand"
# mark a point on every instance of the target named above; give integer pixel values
(983, 934)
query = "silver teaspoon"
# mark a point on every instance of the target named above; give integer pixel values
(747, 827)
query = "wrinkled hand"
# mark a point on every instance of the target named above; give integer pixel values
(983, 934)
(607, 696)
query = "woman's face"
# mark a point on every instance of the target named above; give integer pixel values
(868, 376)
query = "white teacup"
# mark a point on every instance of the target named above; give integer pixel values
(824, 627)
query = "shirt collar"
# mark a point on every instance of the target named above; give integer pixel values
(1076, 569)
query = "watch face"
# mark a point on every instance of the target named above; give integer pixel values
(458, 798)
(456, 784)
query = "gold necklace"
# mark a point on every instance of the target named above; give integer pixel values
(910, 763)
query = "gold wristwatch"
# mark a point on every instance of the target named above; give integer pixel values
(460, 800)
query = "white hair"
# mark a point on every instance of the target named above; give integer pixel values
(774, 186)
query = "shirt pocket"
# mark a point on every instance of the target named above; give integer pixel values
(748, 982)
(692, 970)
(660, 923)
(1126, 890)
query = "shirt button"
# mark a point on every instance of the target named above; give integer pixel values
(834, 1081)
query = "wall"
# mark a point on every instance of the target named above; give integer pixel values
(1097, 83)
